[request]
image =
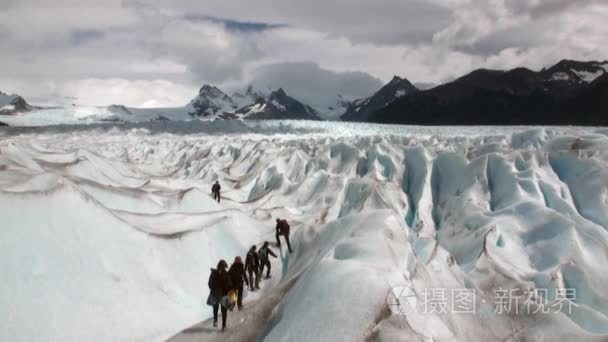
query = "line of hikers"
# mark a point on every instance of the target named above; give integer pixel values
(226, 284)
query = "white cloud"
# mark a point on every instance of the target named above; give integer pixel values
(50, 49)
(153, 93)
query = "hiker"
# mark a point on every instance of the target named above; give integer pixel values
(283, 229)
(264, 254)
(238, 276)
(215, 190)
(252, 266)
(219, 285)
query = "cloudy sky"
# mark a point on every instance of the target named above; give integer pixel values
(158, 53)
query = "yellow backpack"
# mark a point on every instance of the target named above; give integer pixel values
(232, 296)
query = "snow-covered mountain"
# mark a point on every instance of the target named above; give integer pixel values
(361, 109)
(568, 93)
(575, 72)
(248, 96)
(211, 101)
(278, 105)
(251, 103)
(12, 104)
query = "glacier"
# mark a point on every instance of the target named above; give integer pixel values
(109, 231)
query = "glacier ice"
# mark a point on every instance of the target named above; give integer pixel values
(109, 231)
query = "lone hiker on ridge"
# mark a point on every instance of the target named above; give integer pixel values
(215, 190)
(264, 253)
(283, 229)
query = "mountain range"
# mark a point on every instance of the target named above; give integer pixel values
(211, 102)
(568, 93)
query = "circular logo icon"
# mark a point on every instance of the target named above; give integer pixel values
(402, 300)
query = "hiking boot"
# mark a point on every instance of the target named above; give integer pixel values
(268, 276)
(215, 324)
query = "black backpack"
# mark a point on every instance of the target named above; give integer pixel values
(284, 227)
(263, 253)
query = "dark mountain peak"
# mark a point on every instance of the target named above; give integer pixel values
(480, 74)
(361, 109)
(570, 92)
(566, 65)
(513, 81)
(521, 70)
(259, 100)
(278, 93)
(211, 91)
(575, 72)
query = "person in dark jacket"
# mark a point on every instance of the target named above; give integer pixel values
(283, 229)
(252, 266)
(238, 276)
(264, 255)
(215, 190)
(219, 285)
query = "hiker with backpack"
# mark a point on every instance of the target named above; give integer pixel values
(252, 267)
(264, 254)
(220, 284)
(215, 191)
(282, 228)
(238, 277)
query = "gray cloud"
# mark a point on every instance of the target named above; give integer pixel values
(234, 25)
(304, 46)
(545, 7)
(314, 85)
(497, 41)
(81, 36)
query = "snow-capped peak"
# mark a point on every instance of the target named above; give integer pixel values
(360, 109)
(278, 105)
(577, 72)
(211, 101)
(211, 91)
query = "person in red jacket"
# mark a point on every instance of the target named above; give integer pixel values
(219, 285)
(283, 229)
(238, 277)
